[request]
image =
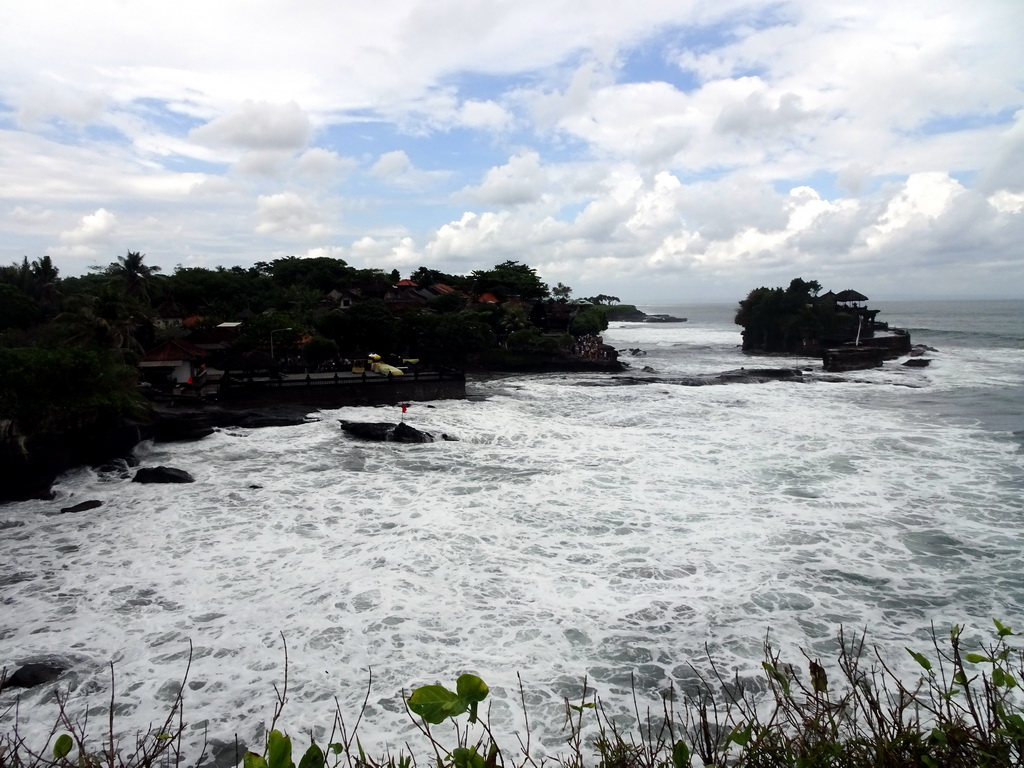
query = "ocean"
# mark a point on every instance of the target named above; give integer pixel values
(617, 528)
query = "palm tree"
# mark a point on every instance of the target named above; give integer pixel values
(44, 277)
(104, 320)
(132, 273)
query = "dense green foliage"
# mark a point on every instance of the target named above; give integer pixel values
(73, 342)
(41, 384)
(790, 319)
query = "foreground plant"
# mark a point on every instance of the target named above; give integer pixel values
(962, 709)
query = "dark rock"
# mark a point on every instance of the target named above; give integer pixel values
(403, 433)
(664, 319)
(177, 427)
(32, 675)
(852, 358)
(763, 374)
(259, 421)
(917, 362)
(382, 431)
(368, 430)
(449, 438)
(162, 475)
(30, 460)
(83, 506)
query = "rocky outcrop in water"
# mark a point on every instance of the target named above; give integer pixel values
(381, 431)
(82, 506)
(31, 675)
(31, 459)
(162, 475)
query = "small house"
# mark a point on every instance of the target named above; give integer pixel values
(173, 363)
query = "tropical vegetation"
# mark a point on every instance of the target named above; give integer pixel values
(793, 319)
(74, 342)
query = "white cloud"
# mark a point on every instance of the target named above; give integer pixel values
(323, 166)
(29, 217)
(397, 169)
(59, 100)
(469, 237)
(924, 198)
(521, 180)
(395, 253)
(93, 228)
(486, 115)
(644, 148)
(1006, 201)
(288, 212)
(257, 126)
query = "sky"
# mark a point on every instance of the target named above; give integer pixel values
(662, 151)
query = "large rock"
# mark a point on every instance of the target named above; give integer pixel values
(403, 433)
(382, 431)
(32, 675)
(162, 475)
(187, 425)
(758, 375)
(83, 506)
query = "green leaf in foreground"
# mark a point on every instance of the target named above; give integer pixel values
(435, 703)
(471, 688)
(680, 755)
(920, 659)
(62, 747)
(253, 760)
(467, 758)
(279, 750)
(313, 758)
(1002, 628)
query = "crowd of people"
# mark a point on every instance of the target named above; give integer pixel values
(590, 346)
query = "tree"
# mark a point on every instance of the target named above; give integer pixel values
(319, 350)
(46, 384)
(448, 302)
(104, 320)
(777, 320)
(131, 271)
(427, 277)
(17, 309)
(510, 279)
(322, 273)
(561, 292)
(589, 321)
(603, 298)
(366, 326)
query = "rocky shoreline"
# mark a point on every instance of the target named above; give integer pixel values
(30, 463)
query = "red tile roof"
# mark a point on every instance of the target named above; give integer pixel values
(173, 349)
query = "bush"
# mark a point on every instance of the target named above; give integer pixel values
(41, 384)
(963, 710)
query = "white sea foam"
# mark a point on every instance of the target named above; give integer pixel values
(575, 529)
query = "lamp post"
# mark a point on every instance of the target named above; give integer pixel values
(276, 330)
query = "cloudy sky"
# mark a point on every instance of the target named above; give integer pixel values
(661, 150)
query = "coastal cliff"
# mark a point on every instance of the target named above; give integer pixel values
(31, 459)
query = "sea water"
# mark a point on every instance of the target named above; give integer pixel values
(613, 528)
